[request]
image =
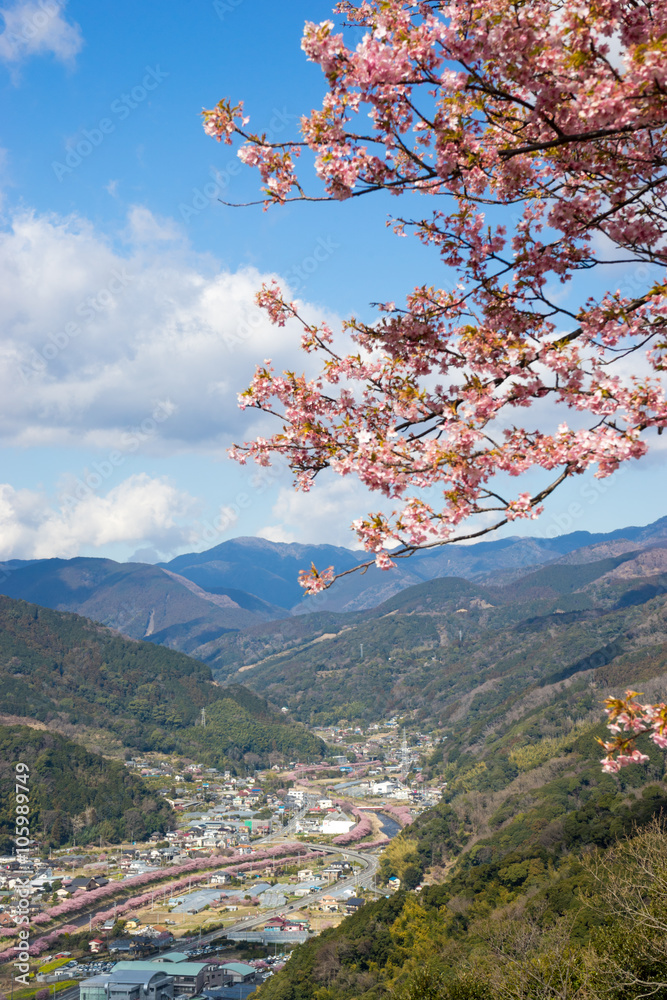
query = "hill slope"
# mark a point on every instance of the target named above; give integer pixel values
(74, 792)
(139, 600)
(452, 648)
(69, 672)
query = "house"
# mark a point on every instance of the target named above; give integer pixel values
(124, 946)
(329, 904)
(336, 870)
(96, 945)
(220, 878)
(305, 875)
(353, 904)
(43, 879)
(382, 787)
(163, 937)
(286, 924)
(143, 929)
(86, 883)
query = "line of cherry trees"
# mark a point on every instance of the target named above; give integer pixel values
(83, 900)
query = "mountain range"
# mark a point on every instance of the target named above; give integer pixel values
(194, 601)
(454, 648)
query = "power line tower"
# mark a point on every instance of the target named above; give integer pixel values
(202, 717)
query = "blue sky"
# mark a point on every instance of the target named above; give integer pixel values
(126, 288)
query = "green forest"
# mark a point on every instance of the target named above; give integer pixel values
(59, 667)
(74, 793)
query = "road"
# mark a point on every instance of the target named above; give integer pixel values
(362, 879)
(358, 880)
(71, 993)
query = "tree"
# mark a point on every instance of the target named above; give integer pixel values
(540, 127)
(631, 879)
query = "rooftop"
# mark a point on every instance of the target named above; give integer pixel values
(169, 968)
(240, 968)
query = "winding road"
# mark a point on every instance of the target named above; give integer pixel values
(359, 879)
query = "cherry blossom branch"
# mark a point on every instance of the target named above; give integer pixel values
(495, 104)
(628, 719)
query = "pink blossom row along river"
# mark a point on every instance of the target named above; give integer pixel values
(401, 814)
(83, 900)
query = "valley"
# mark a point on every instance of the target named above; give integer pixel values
(182, 779)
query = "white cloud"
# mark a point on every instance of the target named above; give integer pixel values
(324, 514)
(140, 509)
(277, 533)
(38, 28)
(144, 227)
(94, 342)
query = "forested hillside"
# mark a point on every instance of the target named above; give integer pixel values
(551, 887)
(61, 669)
(74, 793)
(451, 648)
(581, 926)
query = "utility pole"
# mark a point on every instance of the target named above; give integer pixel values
(405, 757)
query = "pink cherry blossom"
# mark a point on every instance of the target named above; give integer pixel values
(194, 871)
(462, 389)
(627, 719)
(497, 373)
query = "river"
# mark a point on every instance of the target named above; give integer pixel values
(388, 825)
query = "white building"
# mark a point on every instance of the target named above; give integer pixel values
(337, 822)
(383, 787)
